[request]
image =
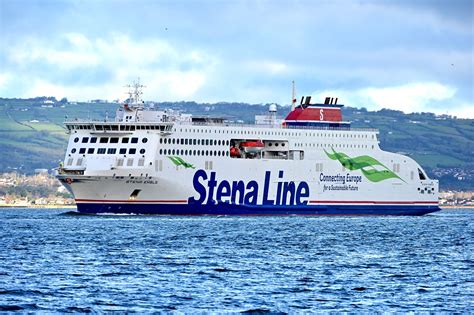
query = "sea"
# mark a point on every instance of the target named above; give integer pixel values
(55, 260)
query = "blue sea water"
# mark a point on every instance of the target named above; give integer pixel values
(55, 261)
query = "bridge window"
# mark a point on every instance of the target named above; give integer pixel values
(82, 150)
(421, 175)
(132, 151)
(101, 151)
(85, 139)
(94, 140)
(134, 140)
(104, 140)
(125, 140)
(90, 151)
(111, 151)
(114, 140)
(123, 151)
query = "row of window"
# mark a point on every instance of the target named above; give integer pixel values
(194, 152)
(335, 134)
(194, 141)
(108, 151)
(120, 162)
(109, 140)
(334, 145)
(119, 127)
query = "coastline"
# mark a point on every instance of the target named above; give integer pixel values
(38, 206)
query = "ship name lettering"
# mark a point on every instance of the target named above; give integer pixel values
(211, 191)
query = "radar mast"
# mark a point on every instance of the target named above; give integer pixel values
(135, 91)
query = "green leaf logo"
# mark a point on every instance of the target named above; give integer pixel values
(364, 163)
(179, 161)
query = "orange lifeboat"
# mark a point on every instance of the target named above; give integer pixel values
(252, 146)
(234, 152)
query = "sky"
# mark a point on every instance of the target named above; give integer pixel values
(408, 55)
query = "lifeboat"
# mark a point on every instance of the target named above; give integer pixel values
(252, 146)
(235, 152)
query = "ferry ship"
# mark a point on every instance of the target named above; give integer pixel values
(150, 161)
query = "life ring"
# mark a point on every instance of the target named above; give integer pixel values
(69, 180)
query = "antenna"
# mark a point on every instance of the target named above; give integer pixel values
(293, 97)
(135, 91)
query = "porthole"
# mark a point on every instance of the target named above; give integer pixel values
(161, 151)
(161, 140)
(76, 139)
(74, 149)
(145, 140)
(142, 151)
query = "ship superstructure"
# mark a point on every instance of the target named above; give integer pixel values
(149, 161)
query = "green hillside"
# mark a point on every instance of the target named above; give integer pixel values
(32, 135)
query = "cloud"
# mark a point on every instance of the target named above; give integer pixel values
(4, 78)
(266, 67)
(374, 51)
(413, 97)
(76, 66)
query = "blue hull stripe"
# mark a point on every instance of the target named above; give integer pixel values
(239, 210)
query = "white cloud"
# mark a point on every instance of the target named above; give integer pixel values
(415, 97)
(266, 67)
(4, 79)
(170, 72)
(463, 110)
(409, 98)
